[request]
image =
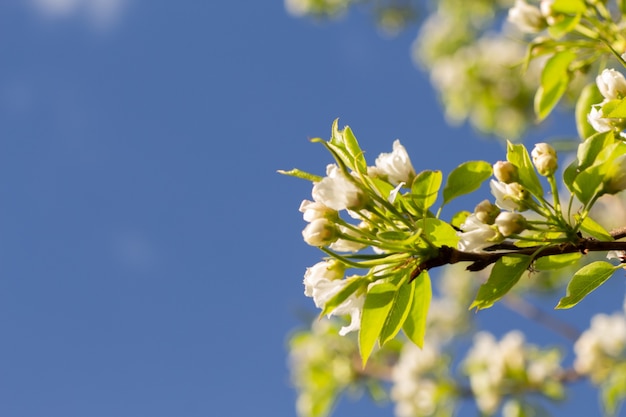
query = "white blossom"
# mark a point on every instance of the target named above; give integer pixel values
(544, 158)
(526, 17)
(612, 84)
(597, 120)
(312, 210)
(620, 255)
(395, 166)
(476, 235)
(509, 223)
(600, 345)
(320, 232)
(338, 192)
(322, 282)
(508, 196)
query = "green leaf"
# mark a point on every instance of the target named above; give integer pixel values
(376, 308)
(556, 261)
(613, 390)
(565, 25)
(301, 174)
(588, 96)
(398, 314)
(438, 232)
(354, 150)
(504, 275)
(465, 178)
(415, 325)
(518, 156)
(354, 284)
(587, 279)
(459, 218)
(594, 229)
(555, 78)
(588, 183)
(614, 109)
(425, 189)
(569, 6)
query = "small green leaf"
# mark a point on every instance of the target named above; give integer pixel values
(398, 314)
(555, 78)
(569, 6)
(378, 303)
(425, 189)
(587, 279)
(504, 275)
(594, 229)
(518, 156)
(565, 25)
(353, 285)
(588, 96)
(465, 178)
(438, 232)
(354, 150)
(301, 174)
(588, 183)
(613, 390)
(459, 218)
(556, 261)
(415, 324)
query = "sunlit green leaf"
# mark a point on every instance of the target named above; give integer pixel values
(301, 174)
(376, 308)
(415, 324)
(459, 218)
(398, 314)
(587, 279)
(354, 284)
(465, 178)
(554, 81)
(569, 6)
(595, 230)
(563, 26)
(438, 232)
(354, 150)
(518, 156)
(504, 275)
(556, 261)
(425, 188)
(613, 390)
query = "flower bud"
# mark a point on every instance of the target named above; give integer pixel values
(527, 18)
(544, 158)
(505, 171)
(312, 210)
(338, 192)
(395, 166)
(615, 179)
(320, 232)
(486, 212)
(509, 196)
(612, 84)
(597, 120)
(510, 223)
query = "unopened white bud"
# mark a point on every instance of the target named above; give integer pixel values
(320, 232)
(505, 171)
(544, 158)
(527, 18)
(510, 223)
(486, 212)
(612, 84)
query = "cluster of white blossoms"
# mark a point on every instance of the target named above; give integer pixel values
(338, 192)
(529, 18)
(510, 366)
(601, 346)
(418, 389)
(490, 224)
(612, 86)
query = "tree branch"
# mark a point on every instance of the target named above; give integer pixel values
(480, 260)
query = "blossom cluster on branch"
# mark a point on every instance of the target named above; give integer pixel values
(382, 230)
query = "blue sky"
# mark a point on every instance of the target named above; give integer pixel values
(150, 257)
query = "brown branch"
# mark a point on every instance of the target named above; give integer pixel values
(480, 260)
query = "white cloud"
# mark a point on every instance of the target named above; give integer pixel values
(100, 14)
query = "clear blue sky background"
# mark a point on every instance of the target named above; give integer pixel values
(150, 257)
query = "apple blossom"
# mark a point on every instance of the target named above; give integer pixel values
(320, 232)
(476, 235)
(395, 166)
(612, 84)
(509, 196)
(505, 172)
(312, 210)
(527, 18)
(544, 158)
(597, 120)
(509, 223)
(338, 192)
(486, 212)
